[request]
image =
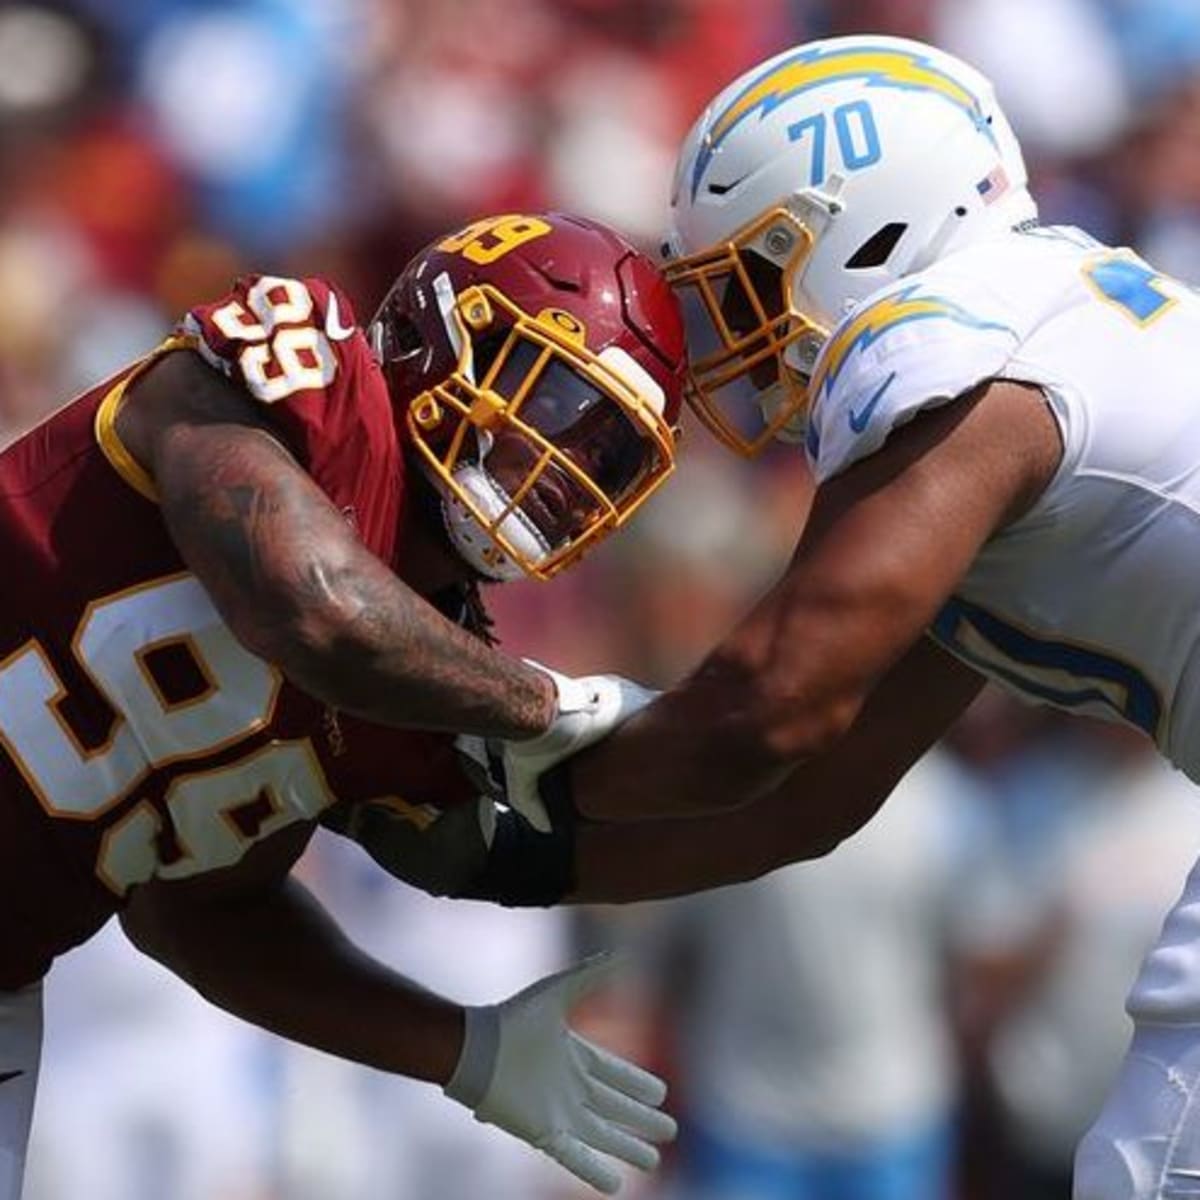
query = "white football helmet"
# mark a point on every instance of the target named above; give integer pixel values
(817, 177)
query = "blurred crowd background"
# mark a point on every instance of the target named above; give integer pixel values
(933, 1012)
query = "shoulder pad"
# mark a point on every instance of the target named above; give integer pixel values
(914, 347)
(276, 336)
(294, 347)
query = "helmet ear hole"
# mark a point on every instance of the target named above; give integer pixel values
(877, 249)
(402, 339)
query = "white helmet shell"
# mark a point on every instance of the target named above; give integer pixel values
(859, 134)
(885, 154)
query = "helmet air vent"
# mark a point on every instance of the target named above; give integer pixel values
(876, 250)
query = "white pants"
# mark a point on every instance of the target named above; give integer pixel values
(1145, 1145)
(20, 1052)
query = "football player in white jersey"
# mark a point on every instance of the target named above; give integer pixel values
(1004, 424)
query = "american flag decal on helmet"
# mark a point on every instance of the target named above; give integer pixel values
(993, 185)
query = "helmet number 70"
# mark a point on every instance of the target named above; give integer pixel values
(857, 138)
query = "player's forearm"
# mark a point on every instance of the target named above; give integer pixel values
(700, 747)
(655, 860)
(807, 815)
(758, 710)
(818, 806)
(346, 630)
(382, 653)
(820, 803)
(733, 731)
(282, 964)
(297, 587)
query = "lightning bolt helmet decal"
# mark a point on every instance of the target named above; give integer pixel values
(818, 66)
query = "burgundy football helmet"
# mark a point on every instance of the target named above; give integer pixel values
(537, 364)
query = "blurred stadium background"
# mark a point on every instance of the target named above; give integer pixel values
(878, 1027)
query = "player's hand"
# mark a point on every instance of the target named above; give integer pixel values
(589, 707)
(525, 1070)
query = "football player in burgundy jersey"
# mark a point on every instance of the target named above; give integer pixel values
(240, 598)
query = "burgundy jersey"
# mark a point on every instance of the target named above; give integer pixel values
(138, 738)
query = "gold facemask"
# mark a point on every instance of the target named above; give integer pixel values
(576, 442)
(740, 319)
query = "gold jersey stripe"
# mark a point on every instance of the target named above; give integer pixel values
(119, 458)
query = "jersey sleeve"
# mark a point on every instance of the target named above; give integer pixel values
(293, 346)
(913, 348)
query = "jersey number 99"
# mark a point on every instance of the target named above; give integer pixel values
(216, 813)
(285, 352)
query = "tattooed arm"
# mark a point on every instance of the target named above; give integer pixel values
(295, 584)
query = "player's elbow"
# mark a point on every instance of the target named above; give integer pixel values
(294, 641)
(148, 928)
(310, 636)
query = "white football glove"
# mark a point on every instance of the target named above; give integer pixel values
(589, 707)
(525, 1070)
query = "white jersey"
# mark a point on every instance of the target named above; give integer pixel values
(1091, 601)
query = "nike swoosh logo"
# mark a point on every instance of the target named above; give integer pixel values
(859, 420)
(5, 1076)
(334, 329)
(721, 189)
